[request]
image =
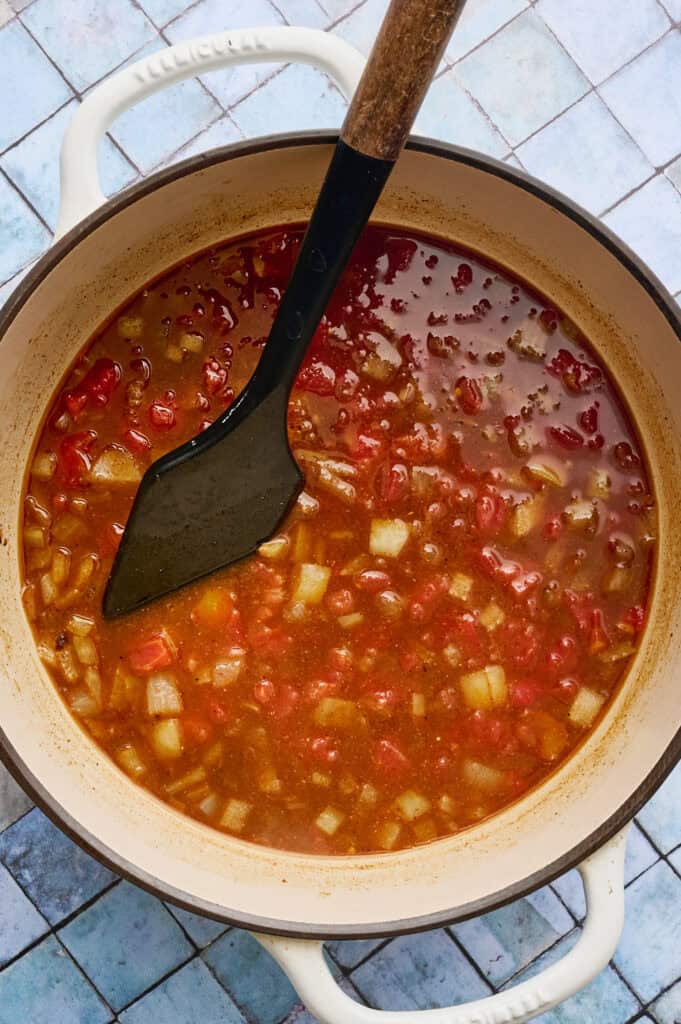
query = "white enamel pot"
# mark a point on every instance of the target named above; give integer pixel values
(105, 251)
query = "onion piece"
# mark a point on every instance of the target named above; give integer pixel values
(86, 650)
(130, 761)
(482, 776)
(310, 583)
(274, 549)
(35, 537)
(411, 805)
(115, 467)
(460, 586)
(186, 781)
(418, 705)
(388, 834)
(492, 616)
(44, 466)
(452, 654)
(330, 820)
(163, 695)
(336, 713)
(235, 815)
(387, 537)
(83, 704)
(80, 625)
(228, 668)
(585, 707)
(350, 621)
(166, 739)
(485, 689)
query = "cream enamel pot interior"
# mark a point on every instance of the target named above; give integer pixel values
(110, 249)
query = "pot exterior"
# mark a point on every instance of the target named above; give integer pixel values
(559, 251)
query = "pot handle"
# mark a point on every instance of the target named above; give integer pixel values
(80, 188)
(603, 878)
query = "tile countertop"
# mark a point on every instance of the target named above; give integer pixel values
(585, 95)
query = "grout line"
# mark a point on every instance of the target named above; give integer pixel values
(46, 54)
(86, 976)
(35, 127)
(15, 187)
(85, 906)
(521, 970)
(347, 971)
(159, 981)
(343, 17)
(470, 959)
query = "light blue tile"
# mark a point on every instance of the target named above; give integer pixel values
(23, 106)
(675, 860)
(125, 942)
(602, 35)
(650, 222)
(201, 930)
(448, 113)
(640, 855)
(418, 972)
(522, 77)
(220, 133)
(57, 875)
(13, 801)
(163, 11)
(646, 97)
(231, 84)
(362, 26)
(586, 154)
(340, 8)
(23, 236)
(673, 8)
(87, 38)
(307, 13)
(298, 98)
(46, 987)
(174, 116)
(20, 922)
(648, 953)
(667, 1009)
(190, 995)
(607, 1000)
(479, 20)
(513, 160)
(673, 172)
(255, 982)
(507, 940)
(33, 165)
(350, 952)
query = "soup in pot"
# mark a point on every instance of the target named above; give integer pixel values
(449, 606)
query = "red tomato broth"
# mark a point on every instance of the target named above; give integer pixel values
(446, 612)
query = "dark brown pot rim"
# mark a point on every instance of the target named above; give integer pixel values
(89, 842)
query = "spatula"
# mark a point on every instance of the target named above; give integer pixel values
(216, 498)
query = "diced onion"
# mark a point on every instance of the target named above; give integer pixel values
(174, 354)
(411, 805)
(130, 326)
(330, 820)
(547, 471)
(388, 834)
(481, 776)
(387, 537)
(274, 549)
(310, 583)
(228, 668)
(48, 589)
(337, 713)
(124, 690)
(83, 703)
(34, 537)
(61, 565)
(115, 467)
(582, 515)
(191, 778)
(351, 620)
(585, 707)
(452, 654)
(80, 625)
(424, 830)
(192, 341)
(320, 779)
(460, 586)
(617, 652)
(86, 650)
(130, 761)
(268, 781)
(67, 665)
(163, 695)
(44, 466)
(599, 484)
(492, 616)
(235, 815)
(524, 518)
(209, 805)
(418, 705)
(166, 739)
(446, 804)
(485, 689)
(368, 796)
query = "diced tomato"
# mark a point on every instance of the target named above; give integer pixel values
(216, 706)
(213, 608)
(577, 376)
(468, 392)
(525, 583)
(580, 604)
(524, 693)
(74, 458)
(371, 581)
(269, 641)
(504, 570)
(521, 643)
(634, 618)
(553, 527)
(490, 731)
(317, 378)
(562, 657)
(588, 419)
(566, 690)
(548, 318)
(389, 760)
(264, 691)
(400, 253)
(154, 653)
(285, 701)
(392, 482)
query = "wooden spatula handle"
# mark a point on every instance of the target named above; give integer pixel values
(405, 57)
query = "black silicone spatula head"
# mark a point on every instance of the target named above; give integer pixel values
(214, 500)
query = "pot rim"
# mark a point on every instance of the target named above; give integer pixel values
(126, 869)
